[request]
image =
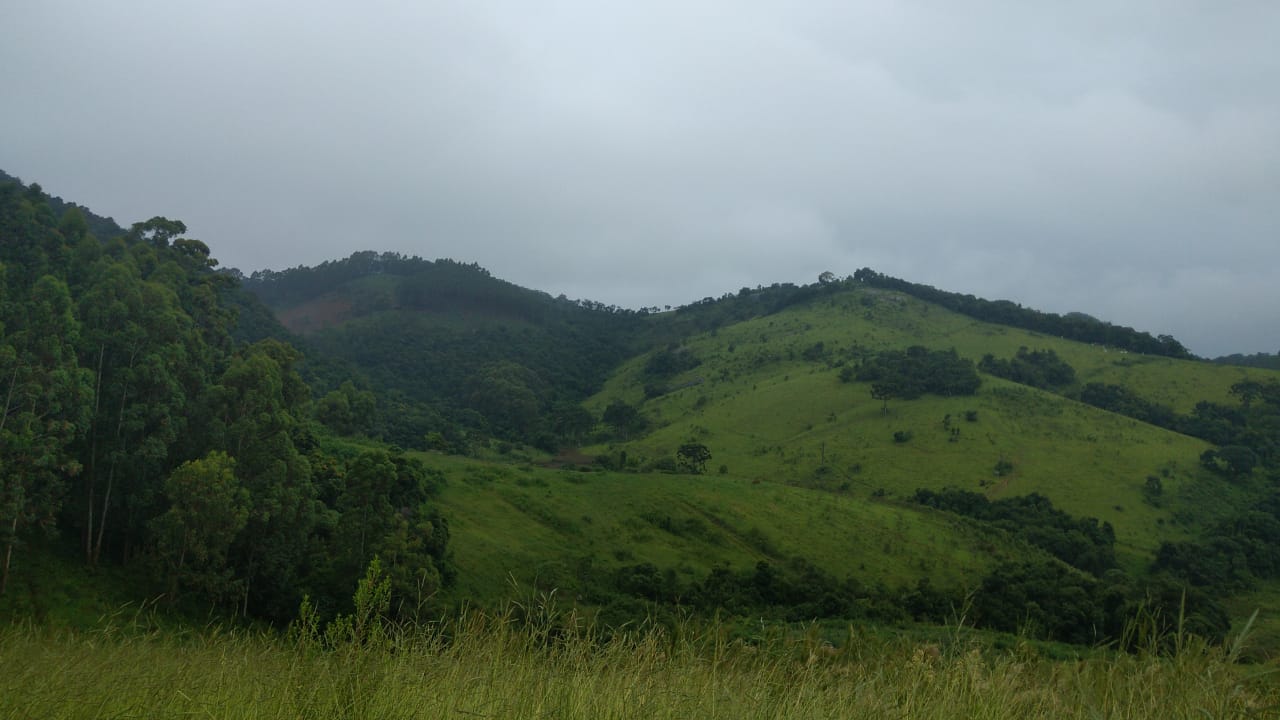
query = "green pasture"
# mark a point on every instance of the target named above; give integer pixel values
(768, 414)
(543, 527)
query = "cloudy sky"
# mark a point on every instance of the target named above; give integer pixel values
(1121, 159)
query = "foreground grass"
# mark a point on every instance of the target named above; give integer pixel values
(491, 668)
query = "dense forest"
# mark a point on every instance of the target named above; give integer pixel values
(456, 354)
(137, 429)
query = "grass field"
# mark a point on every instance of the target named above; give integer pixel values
(491, 667)
(541, 526)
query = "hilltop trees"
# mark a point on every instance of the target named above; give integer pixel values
(1075, 326)
(451, 348)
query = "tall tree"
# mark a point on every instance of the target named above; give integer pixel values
(207, 510)
(138, 342)
(259, 402)
(44, 400)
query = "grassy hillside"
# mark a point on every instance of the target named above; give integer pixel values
(767, 413)
(805, 464)
(768, 401)
(547, 527)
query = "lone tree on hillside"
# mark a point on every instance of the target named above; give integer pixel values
(693, 456)
(883, 392)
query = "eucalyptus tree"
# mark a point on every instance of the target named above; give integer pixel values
(44, 401)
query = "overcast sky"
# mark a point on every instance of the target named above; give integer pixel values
(1116, 158)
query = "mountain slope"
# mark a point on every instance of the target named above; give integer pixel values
(767, 399)
(449, 348)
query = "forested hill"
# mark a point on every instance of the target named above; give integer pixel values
(97, 225)
(451, 352)
(136, 430)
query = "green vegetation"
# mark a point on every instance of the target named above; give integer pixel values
(536, 662)
(1082, 543)
(1075, 326)
(908, 374)
(1037, 368)
(789, 454)
(135, 429)
(451, 349)
(1258, 360)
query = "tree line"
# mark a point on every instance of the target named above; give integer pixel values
(1074, 326)
(1247, 434)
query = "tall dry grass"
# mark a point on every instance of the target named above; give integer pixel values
(485, 666)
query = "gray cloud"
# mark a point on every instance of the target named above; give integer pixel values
(1119, 160)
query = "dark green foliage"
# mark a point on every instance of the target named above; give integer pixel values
(693, 457)
(1037, 368)
(624, 418)
(910, 373)
(1047, 600)
(902, 436)
(456, 346)
(1233, 554)
(667, 363)
(1080, 542)
(1153, 490)
(816, 352)
(45, 404)
(1218, 563)
(1075, 326)
(347, 411)
(134, 421)
(645, 580)
(1233, 461)
(1258, 360)
(207, 509)
(1121, 400)
(571, 421)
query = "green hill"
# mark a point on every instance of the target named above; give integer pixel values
(450, 349)
(807, 462)
(769, 413)
(767, 399)
(861, 449)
